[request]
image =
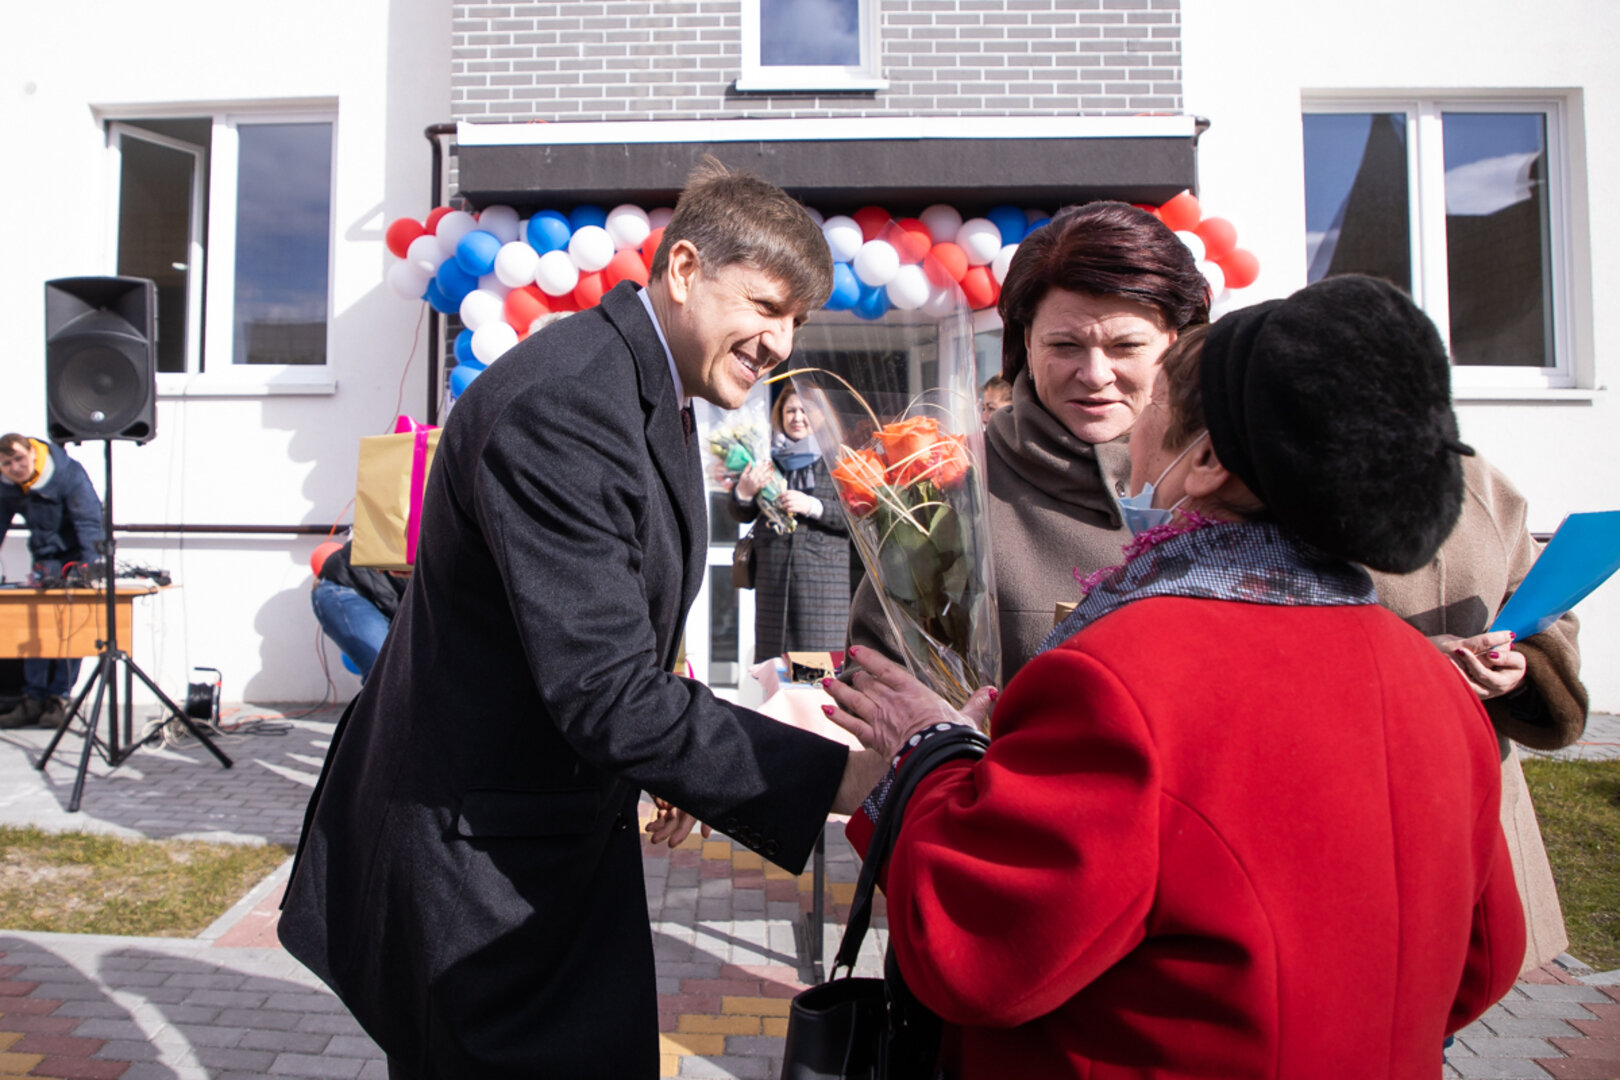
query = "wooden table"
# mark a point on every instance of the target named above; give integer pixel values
(64, 623)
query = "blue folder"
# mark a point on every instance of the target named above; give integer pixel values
(1581, 555)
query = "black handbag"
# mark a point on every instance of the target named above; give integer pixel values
(862, 1028)
(742, 562)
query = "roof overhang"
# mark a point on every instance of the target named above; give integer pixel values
(901, 163)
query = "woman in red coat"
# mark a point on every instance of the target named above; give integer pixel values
(1237, 820)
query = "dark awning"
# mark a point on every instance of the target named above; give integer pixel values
(902, 164)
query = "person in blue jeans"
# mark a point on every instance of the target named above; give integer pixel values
(355, 605)
(54, 495)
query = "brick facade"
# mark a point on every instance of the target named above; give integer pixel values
(678, 59)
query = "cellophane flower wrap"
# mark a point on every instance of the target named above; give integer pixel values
(906, 453)
(734, 443)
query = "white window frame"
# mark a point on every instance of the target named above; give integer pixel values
(1425, 150)
(867, 75)
(211, 338)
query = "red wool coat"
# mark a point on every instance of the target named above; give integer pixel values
(1214, 839)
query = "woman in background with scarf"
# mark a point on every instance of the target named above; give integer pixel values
(801, 578)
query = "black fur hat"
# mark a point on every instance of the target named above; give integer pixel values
(1334, 407)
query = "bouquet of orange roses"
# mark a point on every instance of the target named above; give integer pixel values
(913, 491)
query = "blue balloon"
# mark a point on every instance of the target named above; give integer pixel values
(873, 302)
(461, 377)
(846, 288)
(587, 215)
(441, 303)
(476, 252)
(350, 664)
(454, 282)
(1012, 222)
(464, 353)
(549, 231)
(1038, 223)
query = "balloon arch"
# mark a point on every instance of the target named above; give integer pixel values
(505, 276)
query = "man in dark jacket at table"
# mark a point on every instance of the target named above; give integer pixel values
(53, 494)
(470, 878)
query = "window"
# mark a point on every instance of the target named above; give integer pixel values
(231, 215)
(1461, 202)
(810, 45)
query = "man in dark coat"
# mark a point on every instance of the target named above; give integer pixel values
(53, 494)
(470, 877)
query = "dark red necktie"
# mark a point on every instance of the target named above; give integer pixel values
(687, 422)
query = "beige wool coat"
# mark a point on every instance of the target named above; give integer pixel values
(1478, 567)
(1054, 511)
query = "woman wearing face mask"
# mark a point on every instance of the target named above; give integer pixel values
(801, 578)
(1238, 820)
(1090, 304)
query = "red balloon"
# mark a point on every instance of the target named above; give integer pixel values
(1241, 268)
(432, 222)
(322, 552)
(872, 220)
(1219, 237)
(946, 263)
(1182, 212)
(625, 264)
(525, 305)
(649, 246)
(910, 237)
(400, 234)
(980, 288)
(590, 289)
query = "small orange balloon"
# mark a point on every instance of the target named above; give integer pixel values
(909, 237)
(590, 289)
(1219, 237)
(523, 306)
(649, 246)
(1182, 212)
(400, 234)
(980, 288)
(322, 552)
(1240, 267)
(625, 264)
(432, 222)
(946, 263)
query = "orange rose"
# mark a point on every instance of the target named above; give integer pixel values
(858, 474)
(905, 440)
(918, 450)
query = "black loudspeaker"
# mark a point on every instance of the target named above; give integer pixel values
(101, 359)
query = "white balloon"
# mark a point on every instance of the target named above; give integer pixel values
(942, 221)
(591, 248)
(502, 221)
(980, 239)
(1194, 242)
(659, 217)
(984, 321)
(556, 273)
(409, 279)
(843, 237)
(425, 253)
(1003, 259)
(479, 308)
(910, 288)
(492, 339)
(1214, 275)
(492, 284)
(628, 225)
(876, 263)
(451, 228)
(815, 215)
(515, 263)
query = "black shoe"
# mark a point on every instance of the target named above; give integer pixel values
(55, 712)
(26, 714)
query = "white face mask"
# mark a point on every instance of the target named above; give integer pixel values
(1138, 510)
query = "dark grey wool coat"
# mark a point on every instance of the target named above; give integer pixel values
(470, 879)
(801, 578)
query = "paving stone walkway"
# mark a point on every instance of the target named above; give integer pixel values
(729, 933)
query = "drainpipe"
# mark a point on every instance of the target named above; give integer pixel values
(435, 385)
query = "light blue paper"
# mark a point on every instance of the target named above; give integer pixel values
(1581, 555)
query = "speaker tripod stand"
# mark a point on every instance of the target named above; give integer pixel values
(104, 681)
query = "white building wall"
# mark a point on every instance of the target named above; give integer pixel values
(1246, 65)
(254, 458)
